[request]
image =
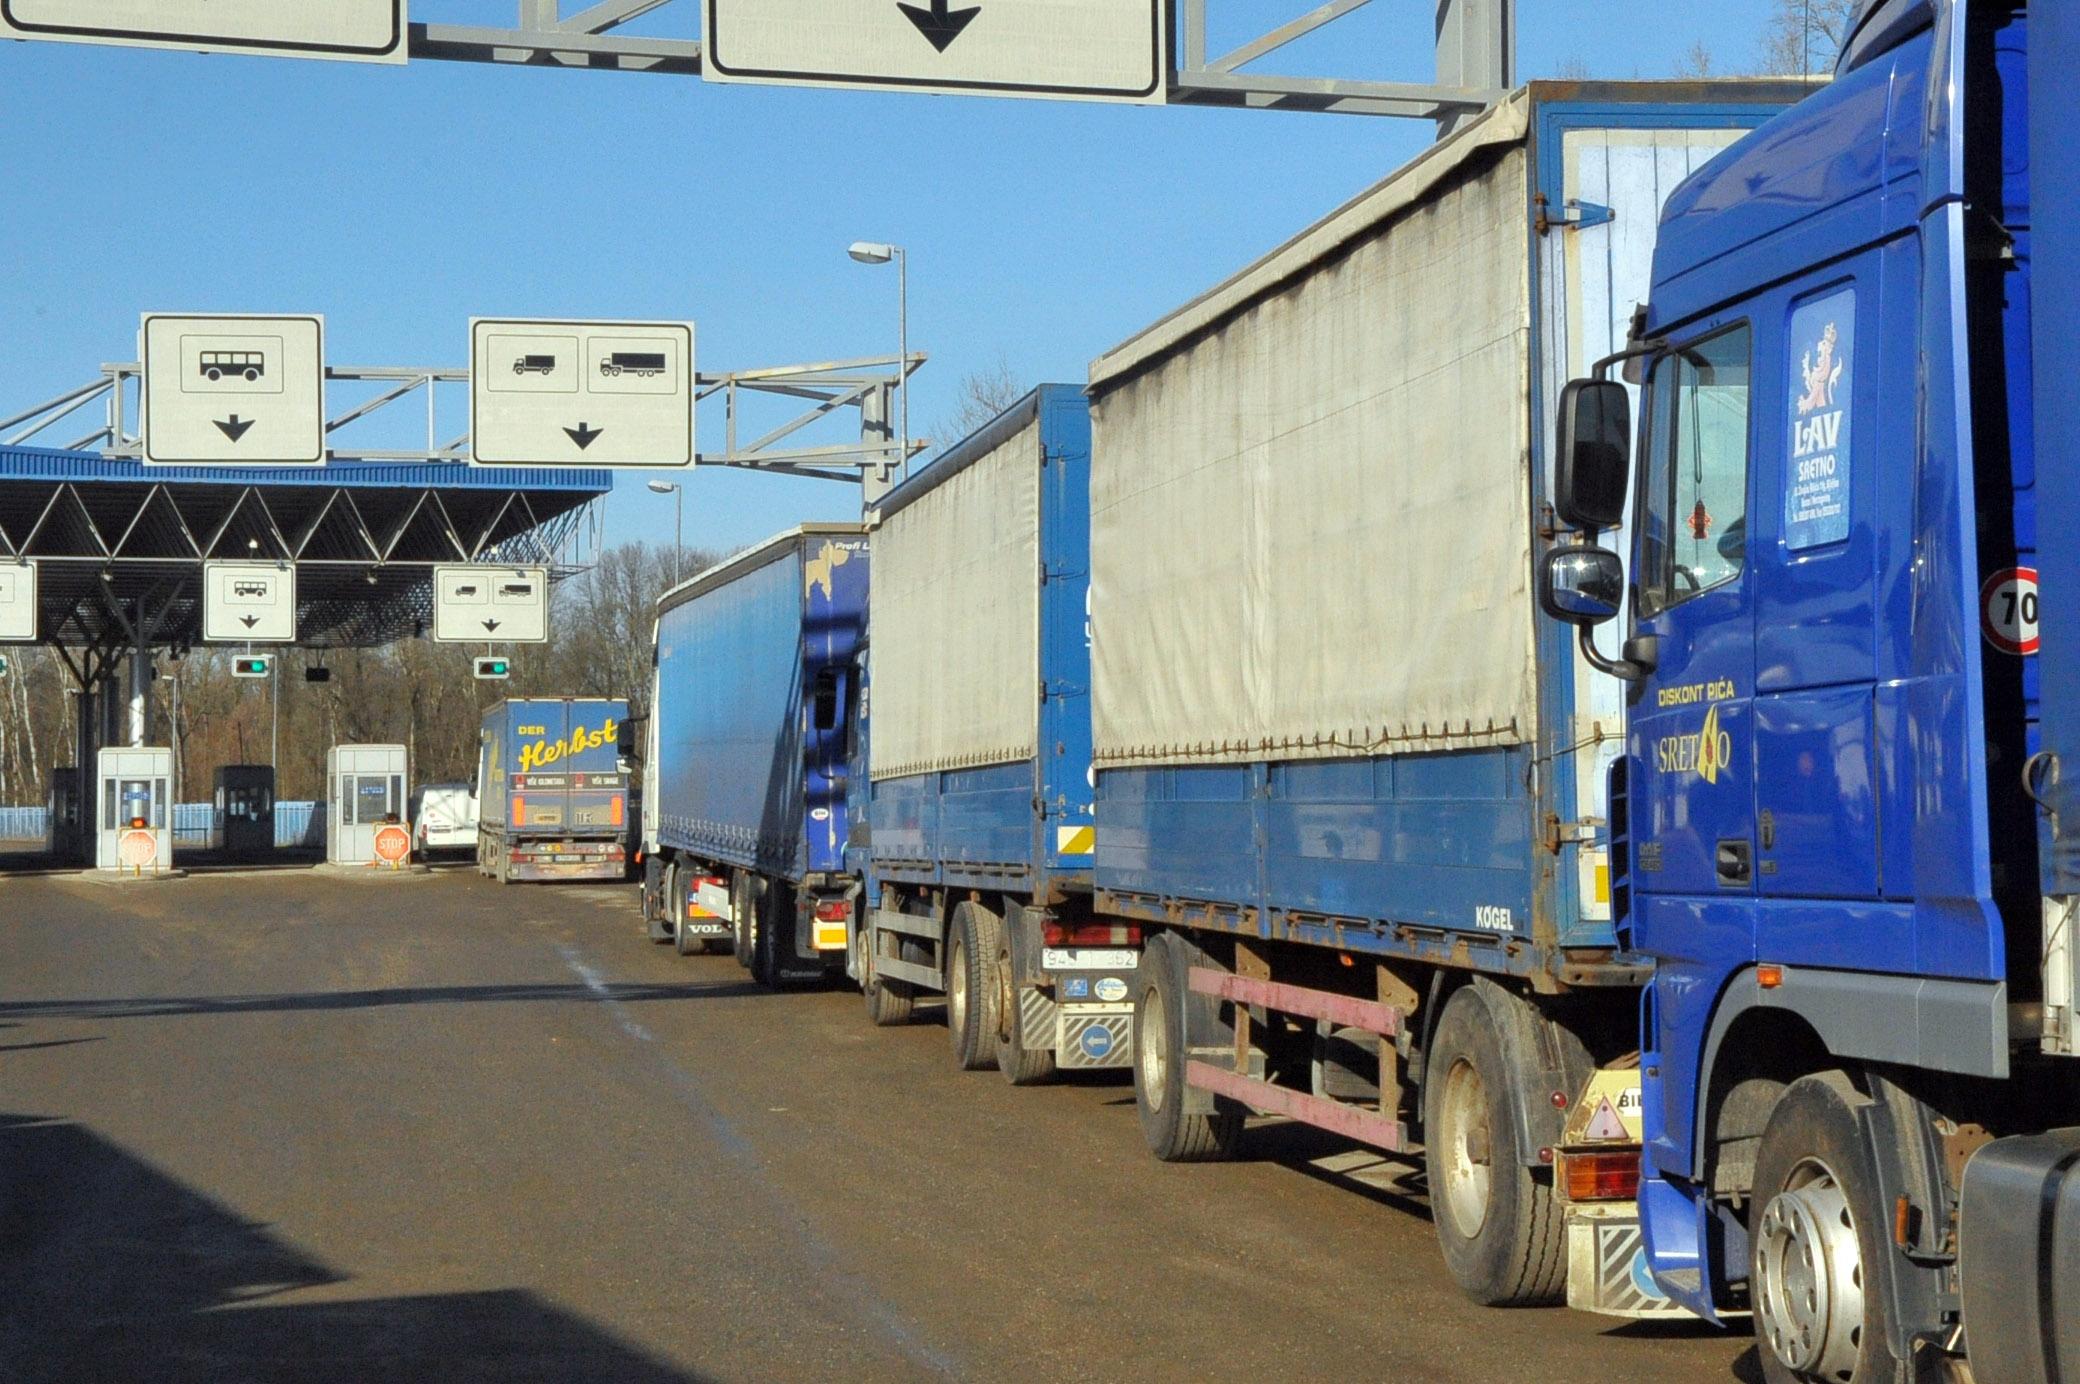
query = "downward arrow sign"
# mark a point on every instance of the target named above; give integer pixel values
(938, 24)
(249, 620)
(583, 434)
(232, 427)
(490, 625)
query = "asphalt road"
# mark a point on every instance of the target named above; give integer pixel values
(274, 1126)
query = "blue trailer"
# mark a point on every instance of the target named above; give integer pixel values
(977, 781)
(1840, 830)
(752, 712)
(552, 790)
(1347, 782)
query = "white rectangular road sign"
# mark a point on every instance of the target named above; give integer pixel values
(1093, 50)
(364, 30)
(17, 602)
(491, 605)
(248, 601)
(580, 393)
(233, 390)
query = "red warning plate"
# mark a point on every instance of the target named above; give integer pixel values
(2008, 610)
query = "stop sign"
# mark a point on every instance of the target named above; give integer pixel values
(393, 845)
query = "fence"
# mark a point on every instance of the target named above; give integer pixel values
(297, 825)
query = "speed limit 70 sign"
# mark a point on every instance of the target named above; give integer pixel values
(2008, 610)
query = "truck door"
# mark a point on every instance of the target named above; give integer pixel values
(1692, 730)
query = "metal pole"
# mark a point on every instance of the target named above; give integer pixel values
(678, 530)
(140, 672)
(274, 707)
(903, 345)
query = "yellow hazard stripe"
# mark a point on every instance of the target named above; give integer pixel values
(1075, 840)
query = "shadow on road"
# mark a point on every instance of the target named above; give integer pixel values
(110, 1269)
(165, 1006)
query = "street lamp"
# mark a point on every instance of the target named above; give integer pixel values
(873, 252)
(671, 488)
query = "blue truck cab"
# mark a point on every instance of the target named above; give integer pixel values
(754, 703)
(1826, 831)
(975, 775)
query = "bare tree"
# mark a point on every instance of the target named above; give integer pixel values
(982, 395)
(1574, 69)
(1697, 63)
(1804, 36)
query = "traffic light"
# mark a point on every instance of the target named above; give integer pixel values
(493, 669)
(3, 665)
(252, 666)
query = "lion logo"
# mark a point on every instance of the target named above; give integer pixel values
(827, 560)
(1822, 375)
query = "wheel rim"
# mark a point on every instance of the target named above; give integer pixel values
(957, 991)
(1466, 1141)
(1809, 1275)
(1150, 1036)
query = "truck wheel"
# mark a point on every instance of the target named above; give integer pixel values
(1502, 1229)
(1160, 1047)
(971, 988)
(742, 899)
(1021, 1066)
(771, 935)
(889, 1002)
(660, 922)
(1813, 1237)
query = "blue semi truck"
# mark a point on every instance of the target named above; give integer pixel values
(974, 771)
(754, 702)
(552, 790)
(1841, 831)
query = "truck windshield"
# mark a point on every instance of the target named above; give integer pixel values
(1694, 520)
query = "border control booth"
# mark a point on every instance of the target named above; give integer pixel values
(242, 810)
(365, 793)
(136, 810)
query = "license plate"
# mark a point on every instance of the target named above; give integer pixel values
(1089, 959)
(707, 929)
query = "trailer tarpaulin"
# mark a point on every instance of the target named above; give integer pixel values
(957, 616)
(1310, 490)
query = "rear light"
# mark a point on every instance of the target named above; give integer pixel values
(1603, 1176)
(834, 911)
(1091, 935)
(711, 881)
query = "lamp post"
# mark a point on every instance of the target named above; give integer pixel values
(873, 252)
(672, 489)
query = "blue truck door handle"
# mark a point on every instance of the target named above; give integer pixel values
(1735, 861)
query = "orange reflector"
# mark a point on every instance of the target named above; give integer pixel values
(1603, 1176)
(615, 811)
(519, 811)
(1769, 977)
(830, 936)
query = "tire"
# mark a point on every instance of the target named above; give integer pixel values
(1815, 1225)
(1160, 1007)
(659, 924)
(1501, 1227)
(774, 909)
(1020, 1065)
(743, 899)
(889, 1002)
(971, 990)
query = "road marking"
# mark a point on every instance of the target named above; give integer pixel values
(821, 1254)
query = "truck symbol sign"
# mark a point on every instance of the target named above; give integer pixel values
(535, 365)
(246, 365)
(640, 363)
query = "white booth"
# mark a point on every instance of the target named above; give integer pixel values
(365, 794)
(136, 816)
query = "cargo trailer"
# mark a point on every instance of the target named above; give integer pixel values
(754, 700)
(976, 774)
(552, 791)
(1348, 783)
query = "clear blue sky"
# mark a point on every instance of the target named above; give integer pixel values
(400, 202)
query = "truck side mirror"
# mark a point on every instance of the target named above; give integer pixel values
(1594, 455)
(625, 740)
(1582, 585)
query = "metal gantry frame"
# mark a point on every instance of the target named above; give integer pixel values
(1475, 54)
(867, 384)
